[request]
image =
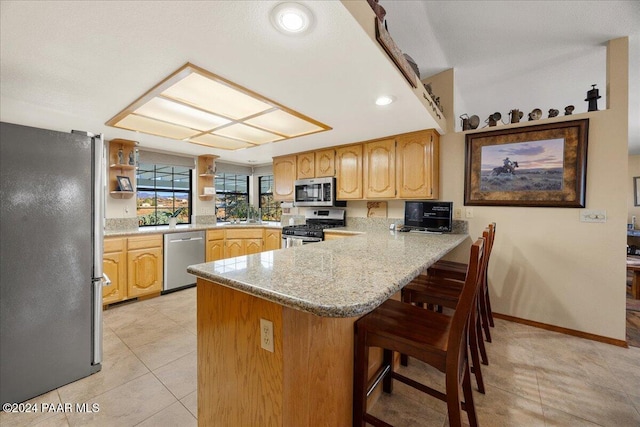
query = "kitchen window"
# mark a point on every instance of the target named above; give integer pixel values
(232, 196)
(271, 210)
(161, 191)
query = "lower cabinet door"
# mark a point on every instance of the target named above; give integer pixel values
(215, 250)
(114, 266)
(144, 267)
(253, 246)
(233, 248)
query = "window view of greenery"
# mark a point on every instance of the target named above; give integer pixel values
(271, 210)
(163, 191)
(232, 196)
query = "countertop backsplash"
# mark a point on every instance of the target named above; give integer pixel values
(457, 227)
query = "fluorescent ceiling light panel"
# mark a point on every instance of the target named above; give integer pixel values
(169, 111)
(284, 123)
(248, 134)
(217, 141)
(194, 104)
(216, 97)
(155, 127)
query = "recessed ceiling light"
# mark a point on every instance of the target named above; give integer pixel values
(291, 18)
(385, 100)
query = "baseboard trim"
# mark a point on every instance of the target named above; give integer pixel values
(566, 331)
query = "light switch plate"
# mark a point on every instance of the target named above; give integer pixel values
(593, 215)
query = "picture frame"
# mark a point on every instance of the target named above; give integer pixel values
(535, 166)
(636, 191)
(124, 183)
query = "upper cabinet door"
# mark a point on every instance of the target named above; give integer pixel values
(306, 165)
(284, 175)
(325, 163)
(379, 167)
(349, 172)
(417, 165)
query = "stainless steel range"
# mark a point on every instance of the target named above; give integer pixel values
(316, 220)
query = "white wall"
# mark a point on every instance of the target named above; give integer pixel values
(547, 266)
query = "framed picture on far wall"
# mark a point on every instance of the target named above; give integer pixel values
(124, 183)
(542, 165)
(636, 191)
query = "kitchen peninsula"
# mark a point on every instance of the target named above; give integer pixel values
(312, 295)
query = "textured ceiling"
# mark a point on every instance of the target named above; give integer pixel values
(73, 65)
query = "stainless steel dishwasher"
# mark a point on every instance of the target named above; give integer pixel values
(180, 251)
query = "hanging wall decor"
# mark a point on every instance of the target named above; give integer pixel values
(543, 165)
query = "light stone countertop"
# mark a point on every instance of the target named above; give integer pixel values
(163, 229)
(336, 278)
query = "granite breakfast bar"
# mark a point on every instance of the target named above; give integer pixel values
(312, 294)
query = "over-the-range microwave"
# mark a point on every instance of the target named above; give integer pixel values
(316, 192)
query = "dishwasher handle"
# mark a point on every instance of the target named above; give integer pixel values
(186, 239)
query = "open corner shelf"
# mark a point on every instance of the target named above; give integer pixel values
(122, 194)
(206, 196)
(124, 167)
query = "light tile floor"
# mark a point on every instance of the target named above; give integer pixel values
(535, 378)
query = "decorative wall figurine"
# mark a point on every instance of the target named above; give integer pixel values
(568, 110)
(120, 156)
(494, 118)
(516, 115)
(465, 122)
(132, 159)
(553, 112)
(592, 97)
(474, 121)
(535, 114)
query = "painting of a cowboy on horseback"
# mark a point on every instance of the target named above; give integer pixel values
(508, 167)
(523, 166)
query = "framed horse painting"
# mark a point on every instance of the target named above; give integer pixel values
(542, 165)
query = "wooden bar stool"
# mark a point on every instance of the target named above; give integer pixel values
(443, 292)
(457, 270)
(434, 338)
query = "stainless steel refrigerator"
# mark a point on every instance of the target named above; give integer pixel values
(51, 232)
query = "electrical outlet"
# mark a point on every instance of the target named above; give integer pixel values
(457, 213)
(468, 213)
(266, 334)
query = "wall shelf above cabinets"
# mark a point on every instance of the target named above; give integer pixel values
(122, 163)
(206, 176)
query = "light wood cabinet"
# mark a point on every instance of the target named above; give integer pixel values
(114, 266)
(242, 241)
(335, 236)
(144, 265)
(284, 176)
(379, 169)
(272, 239)
(306, 165)
(134, 266)
(417, 165)
(122, 162)
(206, 166)
(214, 249)
(325, 163)
(234, 248)
(349, 172)
(252, 246)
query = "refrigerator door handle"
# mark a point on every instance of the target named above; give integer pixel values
(99, 183)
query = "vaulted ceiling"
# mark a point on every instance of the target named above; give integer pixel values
(75, 64)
